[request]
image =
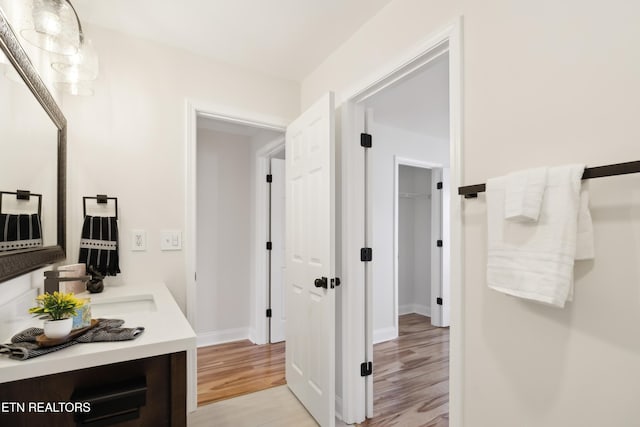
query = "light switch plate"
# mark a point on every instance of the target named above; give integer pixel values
(170, 240)
(138, 240)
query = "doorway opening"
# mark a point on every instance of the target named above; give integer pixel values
(239, 232)
(370, 116)
(406, 189)
(415, 210)
(310, 210)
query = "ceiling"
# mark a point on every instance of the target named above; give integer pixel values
(283, 38)
(419, 103)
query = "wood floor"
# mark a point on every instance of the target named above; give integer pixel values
(411, 376)
(238, 368)
(274, 407)
(411, 381)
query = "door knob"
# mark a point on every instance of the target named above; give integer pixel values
(321, 282)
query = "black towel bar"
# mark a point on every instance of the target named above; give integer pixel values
(100, 199)
(23, 195)
(471, 191)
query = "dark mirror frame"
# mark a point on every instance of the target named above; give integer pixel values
(13, 264)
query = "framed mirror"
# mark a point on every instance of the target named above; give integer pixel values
(32, 164)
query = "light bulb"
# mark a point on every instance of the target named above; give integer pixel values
(55, 27)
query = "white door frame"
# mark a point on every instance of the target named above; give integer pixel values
(436, 265)
(275, 286)
(354, 389)
(195, 109)
(259, 333)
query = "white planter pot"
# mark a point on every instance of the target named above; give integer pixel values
(58, 328)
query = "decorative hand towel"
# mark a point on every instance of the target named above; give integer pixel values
(523, 194)
(20, 231)
(534, 260)
(23, 344)
(99, 244)
(110, 330)
(29, 350)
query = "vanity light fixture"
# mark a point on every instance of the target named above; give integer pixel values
(56, 27)
(82, 65)
(75, 73)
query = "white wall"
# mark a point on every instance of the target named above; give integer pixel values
(128, 141)
(223, 235)
(422, 248)
(390, 142)
(406, 242)
(414, 241)
(226, 219)
(545, 82)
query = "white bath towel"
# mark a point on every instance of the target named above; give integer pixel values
(523, 194)
(585, 249)
(584, 241)
(534, 260)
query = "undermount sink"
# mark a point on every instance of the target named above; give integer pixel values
(123, 305)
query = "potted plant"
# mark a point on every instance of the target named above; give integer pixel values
(58, 310)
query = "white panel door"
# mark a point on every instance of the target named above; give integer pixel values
(310, 251)
(278, 313)
(436, 251)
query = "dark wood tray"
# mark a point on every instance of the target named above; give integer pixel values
(44, 341)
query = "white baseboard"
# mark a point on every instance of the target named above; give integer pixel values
(384, 334)
(204, 339)
(252, 336)
(423, 310)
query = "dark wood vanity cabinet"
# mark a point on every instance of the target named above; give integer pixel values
(143, 392)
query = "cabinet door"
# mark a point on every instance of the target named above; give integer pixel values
(164, 402)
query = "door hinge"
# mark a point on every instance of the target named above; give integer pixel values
(269, 178)
(335, 282)
(366, 369)
(269, 246)
(365, 140)
(268, 312)
(439, 185)
(195, 276)
(439, 243)
(366, 254)
(439, 301)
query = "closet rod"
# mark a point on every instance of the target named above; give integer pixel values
(471, 191)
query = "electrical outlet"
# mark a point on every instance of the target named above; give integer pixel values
(170, 240)
(138, 240)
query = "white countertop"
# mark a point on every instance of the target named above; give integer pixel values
(166, 331)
